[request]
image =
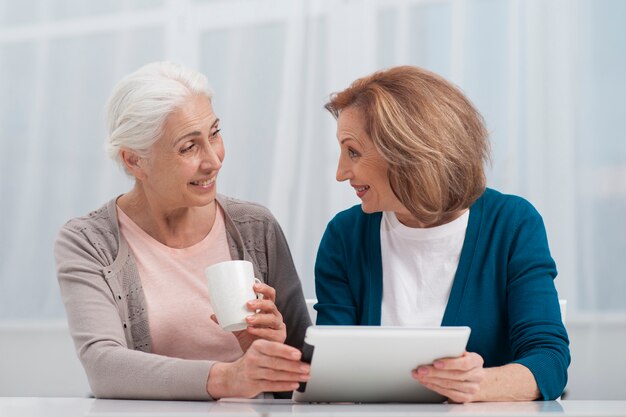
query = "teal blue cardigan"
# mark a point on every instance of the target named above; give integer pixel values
(503, 288)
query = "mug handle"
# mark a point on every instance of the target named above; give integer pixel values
(259, 296)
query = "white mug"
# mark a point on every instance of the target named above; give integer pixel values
(230, 288)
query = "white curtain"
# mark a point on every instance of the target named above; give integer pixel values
(547, 75)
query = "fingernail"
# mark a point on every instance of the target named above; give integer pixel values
(304, 377)
(438, 364)
(295, 386)
(305, 368)
(295, 355)
(422, 371)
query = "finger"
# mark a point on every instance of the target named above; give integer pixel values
(278, 386)
(269, 374)
(263, 367)
(276, 356)
(266, 320)
(267, 291)
(264, 305)
(267, 334)
(454, 395)
(274, 349)
(467, 361)
(461, 386)
(427, 372)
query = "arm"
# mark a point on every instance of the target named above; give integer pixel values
(335, 301)
(464, 380)
(282, 275)
(538, 339)
(113, 369)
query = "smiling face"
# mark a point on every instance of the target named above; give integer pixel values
(183, 164)
(362, 165)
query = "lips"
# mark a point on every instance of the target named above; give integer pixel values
(361, 190)
(203, 183)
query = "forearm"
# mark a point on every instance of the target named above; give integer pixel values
(282, 275)
(512, 382)
(118, 372)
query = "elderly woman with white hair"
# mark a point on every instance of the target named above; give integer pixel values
(131, 272)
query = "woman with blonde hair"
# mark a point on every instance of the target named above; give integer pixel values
(431, 245)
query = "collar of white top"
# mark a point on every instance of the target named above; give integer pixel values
(391, 224)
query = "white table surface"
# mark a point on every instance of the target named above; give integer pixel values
(68, 407)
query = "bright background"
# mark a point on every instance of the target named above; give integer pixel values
(547, 75)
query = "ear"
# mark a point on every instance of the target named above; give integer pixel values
(133, 163)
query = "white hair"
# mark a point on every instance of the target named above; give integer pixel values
(141, 101)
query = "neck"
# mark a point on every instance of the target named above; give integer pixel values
(409, 220)
(173, 225)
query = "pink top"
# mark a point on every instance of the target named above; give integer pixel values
(179, 311)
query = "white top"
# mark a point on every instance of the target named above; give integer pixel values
(419, 265)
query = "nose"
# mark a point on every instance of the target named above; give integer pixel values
(211, 161)
(343, 173)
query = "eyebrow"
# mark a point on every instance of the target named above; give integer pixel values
(194, 133)
(347, 139)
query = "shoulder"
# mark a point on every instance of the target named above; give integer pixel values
(99, 221)
(95, 235)
(97, 228)
(505, 214)
(240, 211)
(497, 203)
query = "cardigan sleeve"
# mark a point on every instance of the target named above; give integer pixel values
(282, 275)
(538, 337)
(114, 369)
(336, 304)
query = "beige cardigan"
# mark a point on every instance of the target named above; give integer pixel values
(106, 310)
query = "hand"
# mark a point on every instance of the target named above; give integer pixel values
(265, 367)
(266, 322)
(459, 379)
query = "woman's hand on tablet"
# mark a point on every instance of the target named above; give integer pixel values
(265, 367)
(459, 379)
(464, 380)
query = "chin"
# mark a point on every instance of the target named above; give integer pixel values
(204, 200)
(368, 209)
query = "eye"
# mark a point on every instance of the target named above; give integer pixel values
(217, 132)
(187, 148)
(352, 153)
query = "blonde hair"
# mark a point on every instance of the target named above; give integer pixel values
(430, 134)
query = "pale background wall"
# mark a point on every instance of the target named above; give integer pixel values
(546, 74)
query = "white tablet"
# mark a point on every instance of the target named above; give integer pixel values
(373, 364)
